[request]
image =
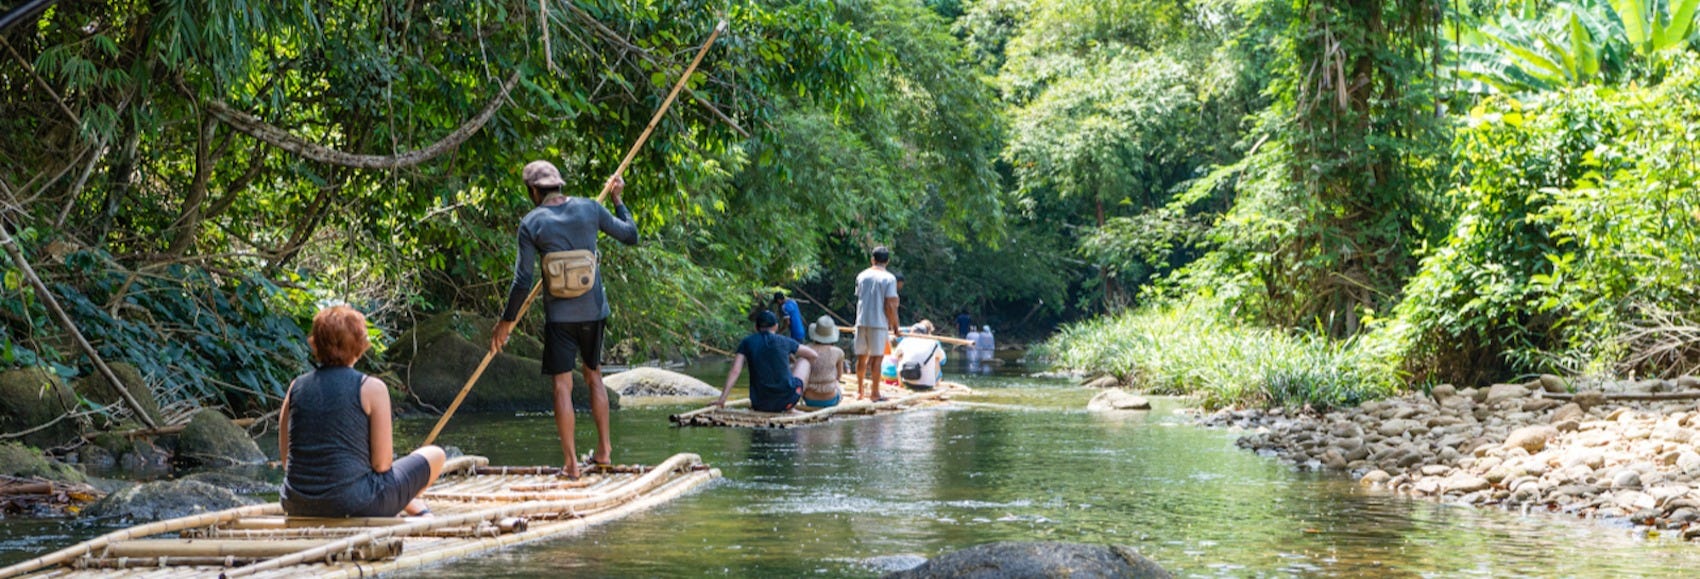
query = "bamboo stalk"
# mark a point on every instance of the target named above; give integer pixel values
(643, 483)
(945, 339)
(71, 327)
(173, 548)
(158, 562)
(68, 554)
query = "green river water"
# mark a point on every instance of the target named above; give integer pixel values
(1020, 460)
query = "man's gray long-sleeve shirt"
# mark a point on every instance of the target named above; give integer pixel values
(563, 227)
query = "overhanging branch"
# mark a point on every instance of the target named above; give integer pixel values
(282, 139)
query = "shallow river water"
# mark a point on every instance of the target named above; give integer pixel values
(1018, 461)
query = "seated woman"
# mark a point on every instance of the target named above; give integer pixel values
(822, 389)
(334, 434)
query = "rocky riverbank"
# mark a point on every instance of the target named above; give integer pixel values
(1514, 446)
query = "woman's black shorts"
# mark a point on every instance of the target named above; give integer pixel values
(564, 341)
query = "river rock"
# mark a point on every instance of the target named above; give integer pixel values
(1502, 392)
(1626, 479)
(1530, 438)
(1375, 477)
(1688, 383)
(32, 397)
(445, 360)
(1569, 411)
(657, 382)
(212, 439)
(1398, 426)
(1019, 559)
(1101, 382)
(1117, 399)
(892, 563)
(1688, 462)
(1588, 400)
(1442, 392)
(166, 500)
(1554, 384)
(95, 387)
(22, 461)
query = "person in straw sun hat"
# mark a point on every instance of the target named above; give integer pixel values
(822, 390)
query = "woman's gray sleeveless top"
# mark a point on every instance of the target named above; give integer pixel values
(330, 441)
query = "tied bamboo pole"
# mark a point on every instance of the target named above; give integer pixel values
(71, 327)
(606, 188)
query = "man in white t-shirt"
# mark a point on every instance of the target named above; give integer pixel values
(876, 320)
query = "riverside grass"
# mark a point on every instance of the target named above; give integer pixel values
(1194, 349)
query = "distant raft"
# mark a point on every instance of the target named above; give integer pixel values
(738, 414)
(478, 508)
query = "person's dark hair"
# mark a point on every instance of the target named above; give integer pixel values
(897, 275)
(881, 254)
(765, 319)
(778, 297)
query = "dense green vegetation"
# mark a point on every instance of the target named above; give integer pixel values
(1268, 201)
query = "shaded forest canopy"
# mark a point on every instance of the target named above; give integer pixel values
(194, 178)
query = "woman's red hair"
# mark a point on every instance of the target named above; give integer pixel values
(339, 336)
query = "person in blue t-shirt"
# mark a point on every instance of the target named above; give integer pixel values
(790, 316)
(775, 383)
(964, 323)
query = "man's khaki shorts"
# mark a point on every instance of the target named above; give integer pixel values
(870, 341)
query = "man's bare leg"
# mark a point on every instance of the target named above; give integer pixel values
(599, 414)
(862, 376)
(564, 420)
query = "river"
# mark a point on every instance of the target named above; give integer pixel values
(1018, 461)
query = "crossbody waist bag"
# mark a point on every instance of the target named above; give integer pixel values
(569, 273)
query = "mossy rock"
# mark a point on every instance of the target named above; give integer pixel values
(212, 439)
(95, 388)
(471, 327)
(22, 461)
(162, 500)
(657, 382)
(31, 397)
(1020, 559)
(510, 382)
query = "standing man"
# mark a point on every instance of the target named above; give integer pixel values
(564, 230)
(876, 315)
(964, 323)
(790, 317)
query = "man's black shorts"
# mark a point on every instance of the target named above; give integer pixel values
(563, 341)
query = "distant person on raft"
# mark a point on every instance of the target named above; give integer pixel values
(919, 357)
(876, 320)
(334, 434)
(790, 316)
(564, 231)
(822, 389)
(776, 384)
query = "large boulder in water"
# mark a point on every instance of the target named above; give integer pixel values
(1117, 399)
(35, 397)
(20, 461)
(440, 359)
(161, 500)
(95, 387)
(657, 382)
(212, 439)
(1018, 559)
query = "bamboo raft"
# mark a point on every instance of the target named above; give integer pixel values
(478, 508)
(738, 414)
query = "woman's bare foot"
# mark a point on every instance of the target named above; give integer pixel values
(417, 508)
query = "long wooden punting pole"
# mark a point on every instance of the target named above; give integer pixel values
(647, 481)
(606, 187)
(945, 339)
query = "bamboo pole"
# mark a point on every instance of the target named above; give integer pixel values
(945, 339)
(69, 554)
(643, 483)
(606, 188)
(173, 548)
(71, 327)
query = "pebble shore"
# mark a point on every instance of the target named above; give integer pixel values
(1515, 446)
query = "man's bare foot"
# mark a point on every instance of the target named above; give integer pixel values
(571, 471)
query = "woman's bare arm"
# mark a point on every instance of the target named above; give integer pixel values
(375, 399)
(283, 429)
